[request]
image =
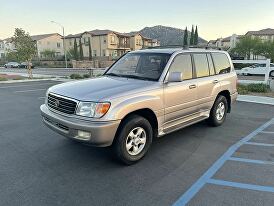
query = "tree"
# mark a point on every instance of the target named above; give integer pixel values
(186, 37)
(196, 36)
(25, 48)
(192, 36)
(48, 53)
(89, 50)
(268, 51)
(81, 55)
(75, 51)
(247, 46)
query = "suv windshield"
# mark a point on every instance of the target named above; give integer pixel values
(145, 66)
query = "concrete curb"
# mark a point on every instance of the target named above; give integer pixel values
(256, 99)
(35, 80)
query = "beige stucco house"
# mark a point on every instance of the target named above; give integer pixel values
(264, 34)
(108, 43)
(52, 42)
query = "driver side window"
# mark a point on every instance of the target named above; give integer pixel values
(182, 63)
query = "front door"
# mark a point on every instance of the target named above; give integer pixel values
(180, 98)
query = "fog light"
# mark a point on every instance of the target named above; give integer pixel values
(84, 135)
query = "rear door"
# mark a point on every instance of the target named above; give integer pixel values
(208, 83)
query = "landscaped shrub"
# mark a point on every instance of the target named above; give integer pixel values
(86, 76)
(76, 76)
(242, 89)
(261, 88)
(3, 79)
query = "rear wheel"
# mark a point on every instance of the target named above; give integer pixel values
(133, 139)
(271, 74)
(218, 112)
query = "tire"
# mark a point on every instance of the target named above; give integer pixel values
(127, 146)
(271, 74)
(218, 111)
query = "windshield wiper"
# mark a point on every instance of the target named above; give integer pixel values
(113, 74)
(138, 77)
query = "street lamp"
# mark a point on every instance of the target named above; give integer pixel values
(64, 48)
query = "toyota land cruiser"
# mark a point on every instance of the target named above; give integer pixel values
(145, 94)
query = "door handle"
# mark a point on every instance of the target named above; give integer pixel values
(193, 86)
(215, 81)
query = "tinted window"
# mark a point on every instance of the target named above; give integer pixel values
(201, 65)
(210, 65)
(182, 63)
(221, 62)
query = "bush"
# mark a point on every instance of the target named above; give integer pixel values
(3, 79)
(261, 88)
(242, 89)
(245, 89)
(86, 76)
(76, 76)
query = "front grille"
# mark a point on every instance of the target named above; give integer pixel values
(61, 104)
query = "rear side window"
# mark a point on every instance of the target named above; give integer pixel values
(201, 65)
(182, 63)
(221, 63)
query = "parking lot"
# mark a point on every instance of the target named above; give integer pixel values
(199, 165)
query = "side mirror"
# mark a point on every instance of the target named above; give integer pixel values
(175, 77)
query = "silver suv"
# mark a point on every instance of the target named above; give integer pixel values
(145, 94)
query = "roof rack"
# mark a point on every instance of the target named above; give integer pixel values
(165, 47)
(184, 47)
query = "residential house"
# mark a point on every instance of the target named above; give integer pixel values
(46, 42)
(103, 43)
(138, 41)
(264, 34)
(225, 43)
(6, 46)
(108, 43)
(85, 38)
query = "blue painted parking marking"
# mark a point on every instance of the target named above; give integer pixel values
(241, 185)
(267, 132)
(206, 177)
(250, 161)
(260, 144)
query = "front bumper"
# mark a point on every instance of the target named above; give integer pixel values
(102, 133)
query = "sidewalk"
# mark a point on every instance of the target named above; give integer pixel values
(256, 99)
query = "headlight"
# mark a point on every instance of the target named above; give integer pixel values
(92, 109)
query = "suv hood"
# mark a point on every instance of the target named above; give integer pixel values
(98, 88)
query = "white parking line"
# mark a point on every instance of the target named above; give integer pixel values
(25, 85)
(31, 90)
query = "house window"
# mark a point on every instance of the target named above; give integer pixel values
(95, 53)
(112, 39)
(104, 52)
(58, 44)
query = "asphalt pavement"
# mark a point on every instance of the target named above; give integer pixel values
(40, 167)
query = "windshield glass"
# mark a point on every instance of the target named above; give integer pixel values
(146, 66)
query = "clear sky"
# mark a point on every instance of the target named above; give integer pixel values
(215, 18)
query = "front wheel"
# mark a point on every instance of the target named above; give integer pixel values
(218, 112)
(133, 139)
